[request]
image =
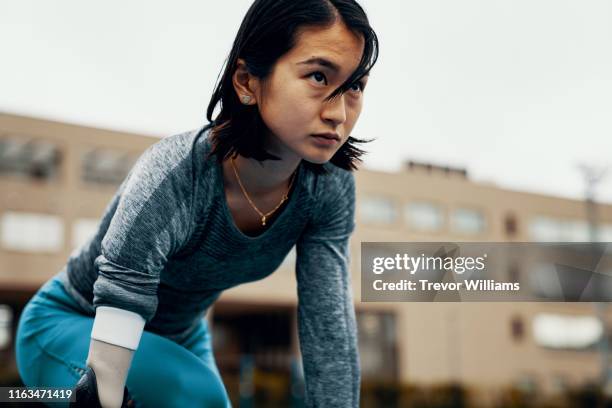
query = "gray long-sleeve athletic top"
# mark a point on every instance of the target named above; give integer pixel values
(167, 246)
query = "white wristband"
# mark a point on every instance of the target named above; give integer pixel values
(118, 326)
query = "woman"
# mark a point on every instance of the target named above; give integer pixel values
(206, 210)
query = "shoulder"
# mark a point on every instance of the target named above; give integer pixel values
(165, 165)
(170, 150)
(333, 206)
(170, 155)
(334, 185)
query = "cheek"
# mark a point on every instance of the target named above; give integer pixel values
(285, 106)
(353, 112)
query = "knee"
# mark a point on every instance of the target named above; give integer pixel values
(201, 387)
(27, 356)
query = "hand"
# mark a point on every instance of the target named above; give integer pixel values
(86, 393)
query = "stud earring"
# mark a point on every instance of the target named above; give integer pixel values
(246, 99)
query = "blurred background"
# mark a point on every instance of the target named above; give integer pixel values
(491, 122)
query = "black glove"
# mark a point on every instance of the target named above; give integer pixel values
(86, 393)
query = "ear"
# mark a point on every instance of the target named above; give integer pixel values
(245, 84)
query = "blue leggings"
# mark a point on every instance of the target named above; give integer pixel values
(52, 344)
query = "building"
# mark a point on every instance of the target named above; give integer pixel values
(57, 178)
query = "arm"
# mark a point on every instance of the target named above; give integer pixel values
(151, 222)
(114, 338)
(326, 315)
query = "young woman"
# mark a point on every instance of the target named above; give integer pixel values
(206, 210)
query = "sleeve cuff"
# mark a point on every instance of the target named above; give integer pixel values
(118, 326)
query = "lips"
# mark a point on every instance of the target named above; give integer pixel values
(325, 140)
(329, 136)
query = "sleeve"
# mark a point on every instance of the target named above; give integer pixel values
(326, 314)
(117, 326)
(151, 222)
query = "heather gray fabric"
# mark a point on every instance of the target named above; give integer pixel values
(167, 247)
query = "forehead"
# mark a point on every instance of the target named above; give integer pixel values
(335, 43)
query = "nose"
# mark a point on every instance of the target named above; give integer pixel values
(334, 111)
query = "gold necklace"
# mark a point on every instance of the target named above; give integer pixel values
(263, 216)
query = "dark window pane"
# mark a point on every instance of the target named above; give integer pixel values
(28, 158)
(105, 166)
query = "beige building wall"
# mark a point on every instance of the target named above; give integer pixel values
(67, 196)
(472, 342)
(434, 342)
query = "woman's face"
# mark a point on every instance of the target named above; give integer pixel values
(292, 101)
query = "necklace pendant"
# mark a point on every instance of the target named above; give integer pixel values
(263, 220)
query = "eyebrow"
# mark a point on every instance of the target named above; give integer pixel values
(322, 62)
(326, 63)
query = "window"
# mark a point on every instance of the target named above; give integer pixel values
(424, 216)
(377, 210)
(82, 230)
(31, 232)
(527, 383)
(559, 383)
(566, 332)
(544, 281)
(6, 322)
(106, 166)
(28, 158)
(548, 229)
(544, 229)
(604, 233)
(467, 221)
(576, 231)
(377, 345)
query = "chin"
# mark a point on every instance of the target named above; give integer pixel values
(316, 161)
(317, 158)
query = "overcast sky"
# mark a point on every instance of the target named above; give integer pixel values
(519, 92)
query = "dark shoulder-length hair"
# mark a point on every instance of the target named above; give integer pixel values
(267, 32)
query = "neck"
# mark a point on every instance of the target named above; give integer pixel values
(259, 178)
(268, 176)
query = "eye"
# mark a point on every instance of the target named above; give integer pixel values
(357, 86)
(318, 77)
